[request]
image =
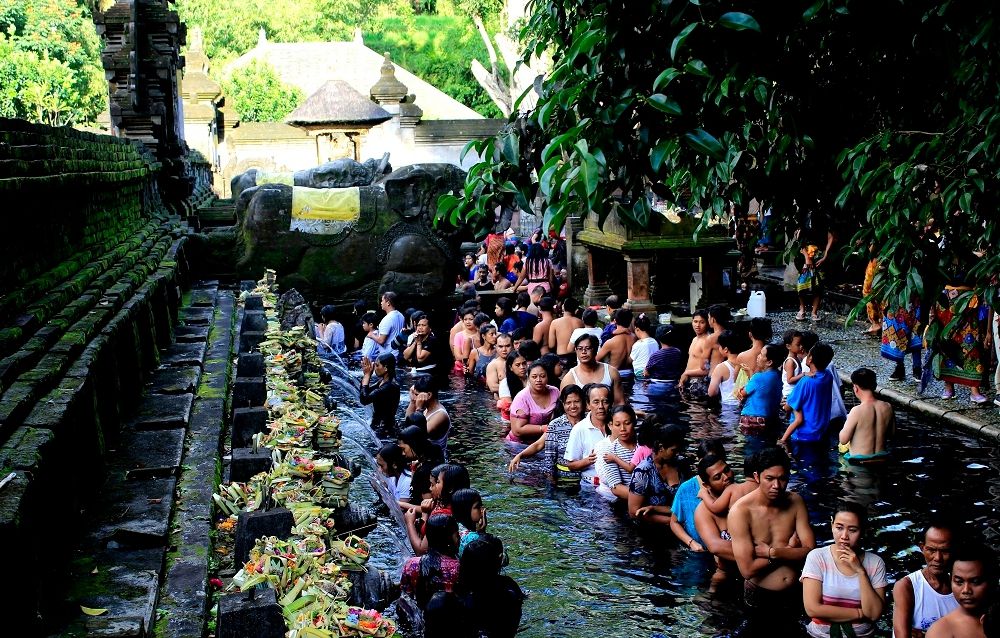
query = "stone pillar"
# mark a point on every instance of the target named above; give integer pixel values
(576, 255)
(637, 272)
(597, 286)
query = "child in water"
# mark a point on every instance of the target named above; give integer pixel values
(446, 479)
(467, 507)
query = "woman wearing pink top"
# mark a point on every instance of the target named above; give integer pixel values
(533, 406)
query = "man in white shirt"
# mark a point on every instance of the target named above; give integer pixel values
(391, 325)
(580, 452)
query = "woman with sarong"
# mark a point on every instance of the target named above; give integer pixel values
(961, 356)
(901, 336)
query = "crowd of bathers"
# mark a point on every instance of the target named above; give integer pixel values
(561, 382)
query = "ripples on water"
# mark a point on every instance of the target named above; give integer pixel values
(589, 572)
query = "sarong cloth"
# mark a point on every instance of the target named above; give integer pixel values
(900, 333)
(277, 177)
(962, 355)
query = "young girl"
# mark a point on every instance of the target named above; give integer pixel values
(762, 392)
(615, 465)
(512, 383)
(532, 408)
(446, 479)
(436, 568)
(463, 342)
(369, 347)
(396, 470)
(467, 506)
(480, 357)
(791, 368)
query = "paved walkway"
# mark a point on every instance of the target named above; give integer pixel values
(853, 350)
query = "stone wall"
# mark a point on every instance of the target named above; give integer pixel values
(89, 290)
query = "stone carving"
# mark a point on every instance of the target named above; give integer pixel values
(340, 173)
(393, 244)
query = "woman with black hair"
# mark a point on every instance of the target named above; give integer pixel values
(382, 393)
(494, 601)
(467, 508)
(537, 270)
(437, 569)
(655, 481)
(396, 470)
(329, 334)
(423, 456)
(446, 479)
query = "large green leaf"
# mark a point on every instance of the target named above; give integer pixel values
(705, 143)
(679, 40)
(738, 21)
(663, 103)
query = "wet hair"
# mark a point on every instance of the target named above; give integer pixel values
(481, 319)
(370, 318)
(595, 343)
(789, 336)
(589, 317)
(700, 313)
(425, 383)
(613, 302)
(504, 335)
(864, 378)
(519, 334)
(643, 322)
(821, 354)
(416, 438)
(359, 306)
(462, 502)
(538, 290)
(729, 341)
(623, 317)
(706, 462)
(446, 616)
(440, 531)
(486, 328)
(514, 382)
(391, 297)
(773, 456)
(853, 507)
(618, 409)
(666, 336)
(530, 350)
(388, 361)
(973, 550)
(751, 464)
(710, 445)
(417, 316)
(523, 300)
(570, 305)
(590, 387)
(393, 457)
(467, 310)
(505, 305)
(546, 304)
(327, 312)
(418, 419)
(776, 353)
(946, 521)
(760, 329)
(453, 477)
(808, 340)
(480, 562)
(539, 364)
(667, 435)
(536, 256)
(721, 315)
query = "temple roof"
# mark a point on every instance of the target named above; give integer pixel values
(336, 102)
(308, 65)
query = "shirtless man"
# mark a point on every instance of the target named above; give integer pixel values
(535, 297)
(719, 320)
(700, 352)
(869, 424)
(617, 350)
(760, 335)
(589, 370)
(497, 369)
(540, 334)
(560, 330)
(715, 476)
(973, 581)
(920, 598)
(762, 525)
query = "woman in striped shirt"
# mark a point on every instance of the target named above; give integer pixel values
(615, 465)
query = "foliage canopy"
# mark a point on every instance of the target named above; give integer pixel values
(811, 105)
(259, 95)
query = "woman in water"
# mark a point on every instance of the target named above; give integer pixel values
(422, 456)
(553, 440)
(614, 465)
(655, 480)
(762, 393)
(465, 340)
(843, 586)
(424, 398)
(329, 334)
(467, 508)
(480, 357)
(644, 345)
(382, 393)
(436, 569)
(396, 470)
(446, 479)
(493, 601)
(532, 407)
(512, 383)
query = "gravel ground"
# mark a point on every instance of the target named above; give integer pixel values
(853, 350)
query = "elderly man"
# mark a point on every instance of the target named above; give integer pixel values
(922, 597)
(587, 434)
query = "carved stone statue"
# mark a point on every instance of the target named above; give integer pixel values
(340, 173)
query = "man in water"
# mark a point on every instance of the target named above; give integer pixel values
(715, 475)
(589, 370)
(811, 398)
(922, 597)
(561, 329)
(536, 296)
(869, 424)
(540, 334)
(497, 369)
(617, 347)
(699, 352)
(391, 325)
(586, 435)
(762, 525)
(973, 584)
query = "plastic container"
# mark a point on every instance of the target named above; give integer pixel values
(757, 304)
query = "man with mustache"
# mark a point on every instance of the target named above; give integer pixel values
(921, 598)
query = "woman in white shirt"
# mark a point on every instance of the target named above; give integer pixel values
(841, 583)
(644, 345)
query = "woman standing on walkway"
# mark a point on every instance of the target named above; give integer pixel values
(843, 586)
(537, 270)
(901, 336)
(815, 241)
(961, 353)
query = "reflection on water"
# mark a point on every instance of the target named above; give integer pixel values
(589, 572)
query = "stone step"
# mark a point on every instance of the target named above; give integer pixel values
(191, 334)
(163, 412)
(175, 379)
(145, 454)
(184, 354)
(133, 513)
(122, 581)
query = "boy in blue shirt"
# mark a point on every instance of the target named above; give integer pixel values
(811, 398)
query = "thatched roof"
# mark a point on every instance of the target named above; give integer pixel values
(336, 102)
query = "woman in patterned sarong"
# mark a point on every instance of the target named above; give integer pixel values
(901, 335)
(961, 354)
(873, 307)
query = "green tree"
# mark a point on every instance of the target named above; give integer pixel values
(50, 62)
(808, 105)
(258, 95)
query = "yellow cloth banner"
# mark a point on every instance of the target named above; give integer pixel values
(327, 204)
(264, 177)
